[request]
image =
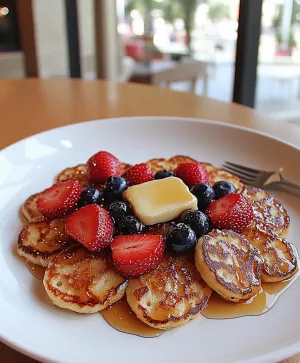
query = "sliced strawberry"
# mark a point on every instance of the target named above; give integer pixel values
(101, 166)
(59, 199)
(230, 212)
(137, 254)
(192, 173)
(91, 226)
(138, 174)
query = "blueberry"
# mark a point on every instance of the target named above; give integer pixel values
(162, 174)
(113, 188)
(119, 209)
(90, 196)
(205, 195)
(197, 220)
(130, 225)
(223, 188)
(180, 239)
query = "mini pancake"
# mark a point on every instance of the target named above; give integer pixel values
(75, 173)
(30, 210)
(280, 262)
(268, 211)
(83, 281)
(169, 296)
(229, 264)
(38, 241)
(215, 174)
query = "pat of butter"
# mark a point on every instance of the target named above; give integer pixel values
(159, 201)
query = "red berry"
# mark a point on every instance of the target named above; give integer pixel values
(137, 254)
(59, 199)
(192, 173)
(230, 212)
(138, 174)
(101, 166)
(92, 226)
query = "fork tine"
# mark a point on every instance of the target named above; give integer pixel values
(243, 179)
(239, 173)
(242, 167)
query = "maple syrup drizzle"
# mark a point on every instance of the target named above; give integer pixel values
(122, 318)
(36, 270)
(219, 308)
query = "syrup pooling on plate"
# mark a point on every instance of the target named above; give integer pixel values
(36, 270)
(219, 308)
(122, 318)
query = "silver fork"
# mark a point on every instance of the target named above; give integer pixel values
(258, 178)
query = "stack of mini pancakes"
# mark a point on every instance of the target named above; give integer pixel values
(233, 265)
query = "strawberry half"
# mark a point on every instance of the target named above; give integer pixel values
(59, 199)
(91, 226)
(101, 166)
(138, 174)
(137, 254)
(230, 212)
(192, 173)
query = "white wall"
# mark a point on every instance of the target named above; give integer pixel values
(86, 35)
(51, 40)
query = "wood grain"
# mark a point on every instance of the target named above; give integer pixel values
(31, 106)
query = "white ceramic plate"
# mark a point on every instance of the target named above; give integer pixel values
(28, 321)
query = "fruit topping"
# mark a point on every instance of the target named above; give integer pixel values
(197, 220)
(138, 174)
(91, 226)
(101, 166)
(59, 199)
(135, 255)
(162, 174)
(90, 196)
(192, 173)
(223, 188)
(180, 239)
(119, 209)
(205, 195)
(114, 188)
(130, 225)
(233, 211)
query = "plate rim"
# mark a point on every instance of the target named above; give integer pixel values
(275, 355)
(167, 118)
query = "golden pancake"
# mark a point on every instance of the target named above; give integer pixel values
(83, 281)
(169, 296)
(229, 264)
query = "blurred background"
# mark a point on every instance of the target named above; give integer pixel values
(187, 45)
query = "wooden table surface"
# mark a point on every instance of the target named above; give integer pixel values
(31, 106)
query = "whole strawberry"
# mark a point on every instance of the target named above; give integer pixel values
(192, 173)
(59, 199)
(138, 174)
(101, 166)
(91, 226)
(230, 212)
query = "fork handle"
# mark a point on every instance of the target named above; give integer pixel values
(289, 183)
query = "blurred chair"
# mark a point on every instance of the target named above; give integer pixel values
(189, 71)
